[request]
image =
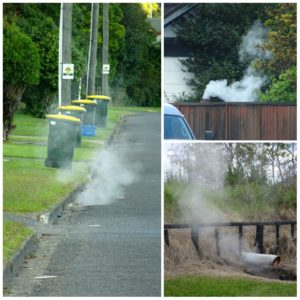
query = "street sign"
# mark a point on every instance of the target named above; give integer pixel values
(68, 71)
(105, 69)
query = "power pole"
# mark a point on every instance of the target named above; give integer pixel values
(105, 50)
(92, 62)
(65, 52)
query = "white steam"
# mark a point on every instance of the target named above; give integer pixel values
(247, 89)
(110, 173)
(204, 165)
(252, 43)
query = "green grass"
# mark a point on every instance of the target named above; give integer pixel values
(14, 235)
(30, 126)
(198, 286)
(31, 187)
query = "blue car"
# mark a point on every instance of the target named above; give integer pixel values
(175, 125)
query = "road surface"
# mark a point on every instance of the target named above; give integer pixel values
(107, 250)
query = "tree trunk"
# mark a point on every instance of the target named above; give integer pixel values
(11, 98)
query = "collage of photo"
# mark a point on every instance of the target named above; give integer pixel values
(149, 149)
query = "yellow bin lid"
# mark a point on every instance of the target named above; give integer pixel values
(71, 107)
(90, 102)
(99, 97)
(64, 118)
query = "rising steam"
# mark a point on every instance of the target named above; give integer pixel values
(247, 89)
(110, 173)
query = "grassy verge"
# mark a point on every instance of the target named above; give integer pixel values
(212, 286)
(15, 234)
(28, 186)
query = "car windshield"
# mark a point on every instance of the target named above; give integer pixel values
(176, 128)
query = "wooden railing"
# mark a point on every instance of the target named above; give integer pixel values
(259, 237)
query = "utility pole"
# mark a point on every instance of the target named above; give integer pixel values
(105, 73)
(92, 60)
(65, 52)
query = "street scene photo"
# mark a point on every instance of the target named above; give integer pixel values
(81, 149)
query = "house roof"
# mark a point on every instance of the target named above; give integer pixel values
(173, 11)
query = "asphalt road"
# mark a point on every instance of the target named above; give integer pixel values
(107, 250)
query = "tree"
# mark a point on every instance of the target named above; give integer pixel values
(152, 9)
(139, 58)
(281, 43)
(21, 66)
(283, 89)
(213, 33)
(38, 22)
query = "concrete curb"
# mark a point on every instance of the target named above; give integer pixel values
(17, 261)
(31, 243)
(57, 211)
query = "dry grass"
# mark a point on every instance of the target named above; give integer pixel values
(181, 257)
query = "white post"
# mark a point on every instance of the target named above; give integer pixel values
(60, 53)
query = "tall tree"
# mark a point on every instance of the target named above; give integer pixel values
(139, 59)
(282, 44)
(21, 66)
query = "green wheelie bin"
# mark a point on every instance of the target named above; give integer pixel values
(61, 141)
(101, 110)
(74, 111)
(89, 119)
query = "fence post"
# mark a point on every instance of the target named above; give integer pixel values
(260, 238)
(195, 237)
(166, 236)
(277, 238)
(293, 230)
(240, 241)
(217, 241)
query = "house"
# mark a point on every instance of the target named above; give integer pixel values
(174, 51)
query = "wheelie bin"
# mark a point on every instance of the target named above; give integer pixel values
(74, 111)
(61, 141)
(88, 127)
(101, 110)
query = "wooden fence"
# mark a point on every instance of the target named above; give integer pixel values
(259, 237)
(241, 121)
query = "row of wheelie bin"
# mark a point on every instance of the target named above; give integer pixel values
(73, 121)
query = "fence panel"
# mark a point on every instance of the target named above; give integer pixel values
(242, 121)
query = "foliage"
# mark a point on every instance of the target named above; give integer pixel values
(213, 32)
(281, 40)
(21, 67)
(253, 180)
(20, 57)
(281, 43)
(283, 89)
(139, 59)
(172, 192)
(151, 9)
(229, 286)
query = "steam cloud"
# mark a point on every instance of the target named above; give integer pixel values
(245, 90)
(207, 163)
(110, 173)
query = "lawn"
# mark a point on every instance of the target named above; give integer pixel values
(15, 234)
(198, 286)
